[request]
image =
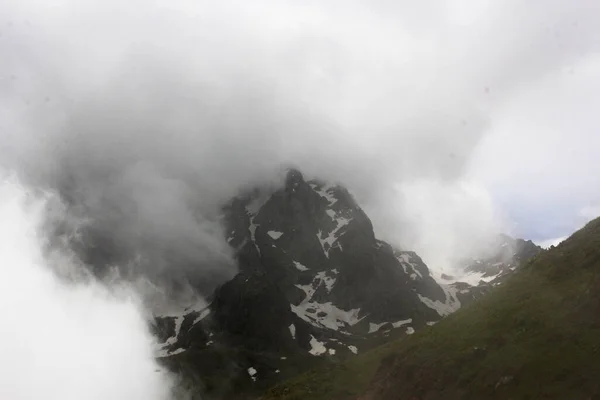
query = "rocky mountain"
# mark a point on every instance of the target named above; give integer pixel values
(314, 286)
(499, 260)
(504, 255)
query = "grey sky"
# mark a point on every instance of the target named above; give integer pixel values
(446, 119)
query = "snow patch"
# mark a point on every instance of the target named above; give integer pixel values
(252, 372)
(353, 349)
(203, 314)
(166, 353)
(252, 230)
(331, 238)
(401, 323)
(328, 281)
(274, 234)
(410, 330)
(375, 327)
(292, 328)
(317, 348)
(162, 349)
(407, 263)
(326, 315)
(325, 193)
(331, 352)
(443, 309)
(299, 266)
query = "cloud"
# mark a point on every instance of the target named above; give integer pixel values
(590, 212)
(147, 116)
(551, 242)
(539, 158)
(60, 340)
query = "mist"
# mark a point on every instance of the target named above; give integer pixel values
(126, 126)
(61, 340)
(146, 118)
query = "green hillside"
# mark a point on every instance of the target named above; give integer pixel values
(535, 337)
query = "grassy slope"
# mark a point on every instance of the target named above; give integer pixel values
(535, 337)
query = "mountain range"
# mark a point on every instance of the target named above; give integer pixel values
(315, 287)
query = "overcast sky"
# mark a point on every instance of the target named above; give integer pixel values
(447, 119)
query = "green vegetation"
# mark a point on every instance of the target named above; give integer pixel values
(535, 337)
(332, 382)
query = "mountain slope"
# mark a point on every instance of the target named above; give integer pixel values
(537, 336)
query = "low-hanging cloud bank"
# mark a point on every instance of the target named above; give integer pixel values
(146, 117)
(61, 340)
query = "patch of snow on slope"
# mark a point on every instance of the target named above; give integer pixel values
(292, 329)
(173, 339)
(327, 280)
(162, 350)
(401, 323)
(331, 238)
(326, 315)
(410, 330)
(252, 230)
(274, 234)
(331, 214)
(405, 260)
(324, 192)
(308, 290)
(443, 309)
(317, 348)
(203, 314)
(331, 352)
(252, 372)
(375, 327)
(299, 266)
(353, 349)
(323, 314)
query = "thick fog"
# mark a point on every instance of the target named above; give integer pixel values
(62, 341)
(148, 116)
(449, 121)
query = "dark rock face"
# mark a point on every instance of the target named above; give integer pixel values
(315, 285)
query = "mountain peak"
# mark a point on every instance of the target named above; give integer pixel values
(293, 178)
(314, 283)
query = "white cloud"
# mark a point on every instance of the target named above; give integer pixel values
(551, 242)
(65, 341)
(141, 106)
(539, 159)
(442, 221)
(590, 212)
